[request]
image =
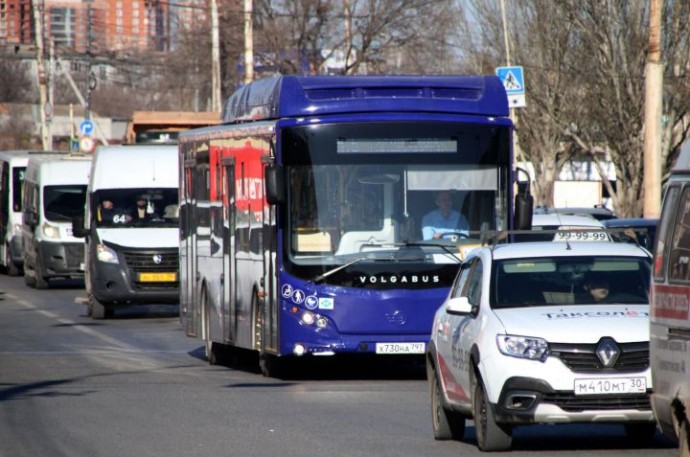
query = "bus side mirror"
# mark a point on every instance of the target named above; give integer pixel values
(524, 205)
(523, 211)
(78, 230)
(275, 184)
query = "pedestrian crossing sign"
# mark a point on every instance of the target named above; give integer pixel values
(514, 83)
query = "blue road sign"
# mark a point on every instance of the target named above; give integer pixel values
(86, 127)
(512, 79)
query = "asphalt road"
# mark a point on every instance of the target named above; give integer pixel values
(135, 385)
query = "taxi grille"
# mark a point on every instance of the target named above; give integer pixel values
(576, 403)
(582, 358)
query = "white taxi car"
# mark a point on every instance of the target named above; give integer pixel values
(528, 335)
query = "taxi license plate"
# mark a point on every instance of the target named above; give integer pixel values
(157, 277)
(400, 348)
(580, 235)
(599, 386)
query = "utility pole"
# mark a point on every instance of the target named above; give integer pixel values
(513, 113)
(654, 84)
(215, 58)
(87, 106)
(46, 139)
(248, 42)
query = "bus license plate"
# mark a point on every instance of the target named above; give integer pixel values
(157, 277)
(598, 386)
(400, 348)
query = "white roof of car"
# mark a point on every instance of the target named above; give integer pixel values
(569, 220)
(562, 249)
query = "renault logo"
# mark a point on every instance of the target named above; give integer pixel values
(157, 259)
(608, 352)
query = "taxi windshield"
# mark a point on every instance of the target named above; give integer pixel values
(583, 280)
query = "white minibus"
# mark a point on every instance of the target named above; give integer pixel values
(54, 193)
(131, 228)
(670, 308)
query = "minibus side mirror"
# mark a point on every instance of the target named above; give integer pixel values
(78, 230)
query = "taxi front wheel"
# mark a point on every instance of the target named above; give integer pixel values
(491, 437)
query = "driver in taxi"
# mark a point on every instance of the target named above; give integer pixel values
(443, 219)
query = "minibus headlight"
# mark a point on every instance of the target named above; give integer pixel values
(51, 231)
(105, 254)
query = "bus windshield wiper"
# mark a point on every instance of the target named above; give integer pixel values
(332, 271)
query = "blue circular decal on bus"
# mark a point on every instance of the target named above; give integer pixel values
(287, 291)
(311, 302)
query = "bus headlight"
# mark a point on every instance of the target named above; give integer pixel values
(51, 231)
(105, 254)
(308, 318)
(321, 322)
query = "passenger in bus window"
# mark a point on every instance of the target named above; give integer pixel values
(443, 219)
(107, 213)
(143, 210)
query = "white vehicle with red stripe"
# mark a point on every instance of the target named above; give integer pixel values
(670, 308)
(543, 332)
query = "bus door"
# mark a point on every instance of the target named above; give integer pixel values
(188, 234)
(229, 277)
(5, 203)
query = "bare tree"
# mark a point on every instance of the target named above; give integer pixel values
(15, 83)
(584, 63)
(372, 36)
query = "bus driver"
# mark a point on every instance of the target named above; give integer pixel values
(443, 219)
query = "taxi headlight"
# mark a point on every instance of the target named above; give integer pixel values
(523, 347)
(105, 254)
(50, 231)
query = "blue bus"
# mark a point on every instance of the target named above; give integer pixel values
(301, 212)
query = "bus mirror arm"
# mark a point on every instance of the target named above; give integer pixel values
(524, 204)
(275, 184)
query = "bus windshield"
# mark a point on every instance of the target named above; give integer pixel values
(367, 189)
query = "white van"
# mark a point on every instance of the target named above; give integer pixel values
(670, 308)
(54, 193)
(131, 228)
(12, 170)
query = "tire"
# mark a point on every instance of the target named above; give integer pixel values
(10, 268)
(271, 365)
(491, 437)
(683, 439)
(41, 281)
(28, 280)
(446, 424)
(97, 309)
